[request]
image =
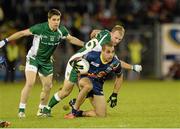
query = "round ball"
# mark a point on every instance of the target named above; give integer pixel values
(85, 65)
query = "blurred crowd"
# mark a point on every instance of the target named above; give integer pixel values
(81, 16)
(84, 15)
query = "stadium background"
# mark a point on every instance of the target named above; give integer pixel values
(144, 103)
(141, 19)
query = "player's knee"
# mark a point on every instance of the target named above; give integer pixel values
(87, 87)
(46, 89)
(47, 85)
(29, 84)
(101, 114)
(86, 84)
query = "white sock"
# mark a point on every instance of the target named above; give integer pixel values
(56, 96)
(22, 105)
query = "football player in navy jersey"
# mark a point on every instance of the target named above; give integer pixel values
(101, 65)
(71, 75)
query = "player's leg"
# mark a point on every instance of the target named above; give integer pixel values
(70, 79)
(99, 104)
(30, 75)
(58, 96)
(90, 113)
(30, 80)
(44, 96)
(86, 86)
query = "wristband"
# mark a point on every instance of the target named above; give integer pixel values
(6, 40)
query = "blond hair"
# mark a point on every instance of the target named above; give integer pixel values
(118, 28)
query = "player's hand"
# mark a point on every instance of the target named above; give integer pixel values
(3, 42)
(113, 100)
(137, 68)
(74, 64)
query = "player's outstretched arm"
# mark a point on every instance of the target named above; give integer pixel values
(94, 33)
(136, 68)
(75, 40)
(117, 85)
(15, 36)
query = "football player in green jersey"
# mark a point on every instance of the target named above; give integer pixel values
(47, 36)
(102, 37)
(98, 40)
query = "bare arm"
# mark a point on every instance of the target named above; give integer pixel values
(19, 34)
(75, 40)
(136, 68)
(126, 65)
(118, 83)
(94, 33)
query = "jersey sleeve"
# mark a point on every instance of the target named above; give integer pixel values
(103, 37)
(36, 29)
(117, 66)
(63, 30)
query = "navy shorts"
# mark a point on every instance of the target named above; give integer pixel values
(97, 87)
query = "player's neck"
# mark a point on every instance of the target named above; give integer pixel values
(52, 29)
(102, 60)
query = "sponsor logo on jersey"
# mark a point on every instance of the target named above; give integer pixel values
(95, 64)
(44, 36)
(109, 69)
(52, 38)
(51, 44)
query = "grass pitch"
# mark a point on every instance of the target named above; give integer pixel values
(140, 104)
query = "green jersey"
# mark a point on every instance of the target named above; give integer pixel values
(95, 44)
(103, 37)
(45, 41)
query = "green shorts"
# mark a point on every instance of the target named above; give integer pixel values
(44, 68)
(70, 74)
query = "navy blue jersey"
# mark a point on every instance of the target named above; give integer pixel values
(98, 70)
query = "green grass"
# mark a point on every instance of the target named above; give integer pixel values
(140, 104)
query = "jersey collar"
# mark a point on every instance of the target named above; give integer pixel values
(104, 62)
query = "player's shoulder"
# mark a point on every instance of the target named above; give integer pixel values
(95, 53)
(63, 30)
(115, 62)
(104, 32)
(38, 28)
(62, 27)
(42, 24)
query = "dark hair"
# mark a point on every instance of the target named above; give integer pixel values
(53, 12)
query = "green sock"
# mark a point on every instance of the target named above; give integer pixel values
(21, 110)
(53, 102)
